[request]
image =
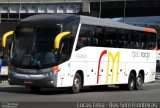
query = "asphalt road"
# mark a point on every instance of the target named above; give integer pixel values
(149, 93)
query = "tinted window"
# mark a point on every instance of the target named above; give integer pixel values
(66, 48)
(111, 38)
(84, 38)
(151, 41)
(135, 40)
(115, 38)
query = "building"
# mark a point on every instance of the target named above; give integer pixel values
(11, 11)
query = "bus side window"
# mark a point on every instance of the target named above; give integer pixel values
(95, 41)
(109, 43)
(84, 38)
(128, 44)
(122, 39)
(144, 40)
(111, 38)
(82, 42)
(98, 36)
(152, 41)
(135, 36)
(66, 48)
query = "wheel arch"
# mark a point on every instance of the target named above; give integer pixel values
(134, 72)
(80, 72)
(142, 73)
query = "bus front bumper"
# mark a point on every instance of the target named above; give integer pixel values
(40, 80)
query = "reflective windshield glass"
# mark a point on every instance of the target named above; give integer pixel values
(34, 46)
(44, 52)
(23, 43)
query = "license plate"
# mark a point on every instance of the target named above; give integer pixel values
(28, 82)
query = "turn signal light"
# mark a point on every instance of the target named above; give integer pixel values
(55, 69)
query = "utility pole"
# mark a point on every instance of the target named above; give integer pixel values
(100, 7)
(124, 10)
(8, 9)
(19, 9)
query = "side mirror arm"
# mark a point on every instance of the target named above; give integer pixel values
(4, 37)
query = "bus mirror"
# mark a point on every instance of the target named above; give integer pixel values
(59, 37)
(4, 37)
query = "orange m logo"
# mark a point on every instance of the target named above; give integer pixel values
(112, 61)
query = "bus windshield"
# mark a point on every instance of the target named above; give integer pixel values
(34, 47)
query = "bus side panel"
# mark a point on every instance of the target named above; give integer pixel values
(121, 76)
(86, 60)
(68, 71)
(133, 67)
(79, 63)
(98, 71)
(102, 73)
(91, 73)
(64, 76)
(148, 68)
(150, 74)
(101, 65)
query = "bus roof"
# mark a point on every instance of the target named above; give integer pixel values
(44, 19)
(47, 17)
(60, 18)
(111, 23)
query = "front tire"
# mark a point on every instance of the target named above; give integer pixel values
(76, 87)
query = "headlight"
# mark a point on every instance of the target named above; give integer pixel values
(46, 70)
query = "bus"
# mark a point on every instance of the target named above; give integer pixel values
(3, 67)
(158, 56)
(73, 51)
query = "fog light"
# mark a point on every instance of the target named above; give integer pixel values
(51, 82)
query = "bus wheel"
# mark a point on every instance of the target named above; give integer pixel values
(76, 84)
(131, 81)
(139, 82)
(34, 89)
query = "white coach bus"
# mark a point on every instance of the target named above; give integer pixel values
(57, 50)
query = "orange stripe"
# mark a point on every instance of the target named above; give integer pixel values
(154, 48)
(148, 29)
